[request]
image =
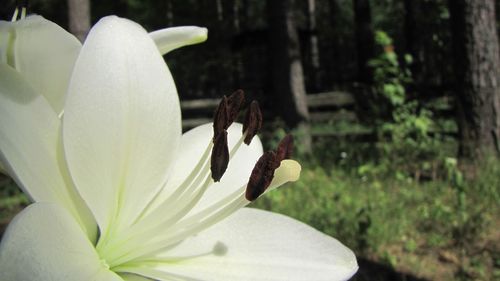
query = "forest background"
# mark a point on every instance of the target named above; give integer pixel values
(395, 105)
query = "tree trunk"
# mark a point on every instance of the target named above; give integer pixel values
(169, 13)
(220, 10)
(237, 61)
(337, 42)
(286, 69)
(79, 18)
(365, 41)
(412, 45)
(313, 49)
(477, 67)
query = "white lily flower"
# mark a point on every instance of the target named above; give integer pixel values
(123, 195)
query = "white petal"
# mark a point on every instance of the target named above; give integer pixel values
(194, 143)
(43, 242)
(45, 54)
(169, 39)
(121, 125)
(133, 277)
(30, 147)
(256, 245)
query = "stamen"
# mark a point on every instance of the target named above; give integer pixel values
(14, 17)
(186, 228)
(220, 156)
(253, 122)
(23, 12)
(175, 225)
(234, 102)
(220, 117)
(262, 175)
(188, 182)
(218, 249)
(285, 148)
(227, 111)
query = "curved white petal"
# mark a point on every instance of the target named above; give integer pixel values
(255, 245)
(193, 144)
(43, 242)
(121, 124)
(44, 53)
(169, 39)
(30, 147)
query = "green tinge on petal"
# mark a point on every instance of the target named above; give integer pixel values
(44, 242)
(169, 39)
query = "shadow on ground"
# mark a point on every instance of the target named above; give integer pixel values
(373, 271)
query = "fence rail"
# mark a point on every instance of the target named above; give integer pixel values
(323, 107)
(338, 106)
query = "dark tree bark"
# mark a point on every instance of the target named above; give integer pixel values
(237, 58)
(410, 26)
(365, 41)
(411, 38)
(365, 50)
(337, 42)
(477, 67)
(313, 62)
(79, 18)
(169, 13)
(286, 69)
(220, 10)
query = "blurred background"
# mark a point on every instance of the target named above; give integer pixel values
(394, 104)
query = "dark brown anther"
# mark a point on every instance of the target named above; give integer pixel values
(220, 156)
(262, 175)
(253, 122)
(220, 117)
(285, 148)
(234, 102)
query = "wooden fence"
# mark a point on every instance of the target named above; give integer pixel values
(322, 106)
(327, 107)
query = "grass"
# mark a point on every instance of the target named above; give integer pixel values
(11, 201)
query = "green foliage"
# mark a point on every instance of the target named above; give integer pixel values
(404, 126)
(11, 198)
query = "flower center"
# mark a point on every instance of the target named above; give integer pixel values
(175, 219)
